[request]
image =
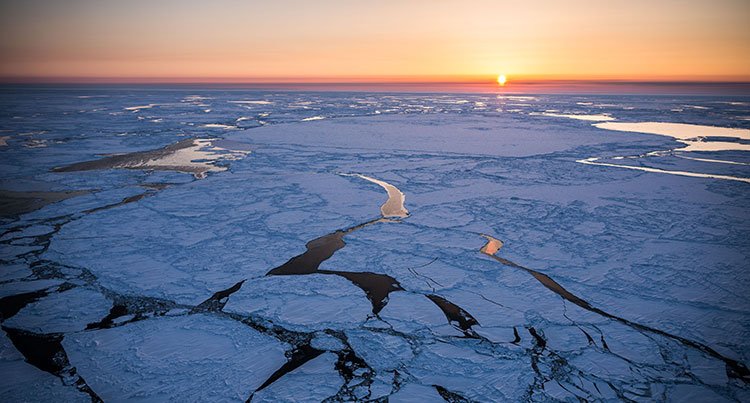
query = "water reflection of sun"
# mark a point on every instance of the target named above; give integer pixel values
(501, 79)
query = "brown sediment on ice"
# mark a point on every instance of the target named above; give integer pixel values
(735, 369)
(16, 203)
(195, 156)
(394, 206)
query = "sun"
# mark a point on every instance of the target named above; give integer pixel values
(501, 79)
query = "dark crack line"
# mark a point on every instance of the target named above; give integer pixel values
(45, 351)
(299, 356)
(735, 369)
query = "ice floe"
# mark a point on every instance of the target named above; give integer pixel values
(593, 118)
(23, 382)
(67, 311)
(313, 382)
(224, 360)
(139, 107)
(693, 136)
(196, 156)
(595, 161)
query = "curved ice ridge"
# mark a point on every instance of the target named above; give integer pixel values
(592, 161)
(394, 206)
(693, 136)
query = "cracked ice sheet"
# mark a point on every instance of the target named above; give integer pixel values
(187, 358)
(296, 385)
(383, 352)
(23, 382)
(67, 311)
(303, 302)
(186, 243)
(414, 393)
(477, 376)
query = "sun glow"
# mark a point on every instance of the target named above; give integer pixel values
(501, 79)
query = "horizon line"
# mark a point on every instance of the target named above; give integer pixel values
(372, 80)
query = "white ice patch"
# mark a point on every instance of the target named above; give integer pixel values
(296, 385)
(252, 102)
(476, 376)
(313, 118)
(691, 135)
(712, 160)
(408, 312)
(382, 352)
(186, 358)
(415, 393)
(139, 107)
(593, 161)
(68, 311)
(218, 126)
(309, 302)
(591, 118)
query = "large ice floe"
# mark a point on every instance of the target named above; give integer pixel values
(401, 247)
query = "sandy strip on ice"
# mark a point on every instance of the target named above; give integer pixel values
(592, 161)
(394, 206)
(4, 141)
(196, 156)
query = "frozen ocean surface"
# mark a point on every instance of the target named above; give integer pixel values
(194, 244)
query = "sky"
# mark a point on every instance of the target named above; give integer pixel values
(388, 40)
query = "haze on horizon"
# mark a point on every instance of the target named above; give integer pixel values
(328, 40)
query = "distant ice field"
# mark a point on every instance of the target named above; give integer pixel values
(487, 247)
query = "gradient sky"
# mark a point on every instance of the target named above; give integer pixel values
(388, 40)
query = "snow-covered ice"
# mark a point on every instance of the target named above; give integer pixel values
(409, 247)
(68, 311)
(150, 360)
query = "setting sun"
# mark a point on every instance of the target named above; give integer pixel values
(501, 79)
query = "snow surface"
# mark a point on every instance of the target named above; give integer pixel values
(22, 382)
(68, 311)
(599, 283)
(152, 359)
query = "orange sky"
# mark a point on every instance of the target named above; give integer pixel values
(381, 40)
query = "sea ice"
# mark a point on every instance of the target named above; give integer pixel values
(186, 358)
(67, 311)
(22, 382)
